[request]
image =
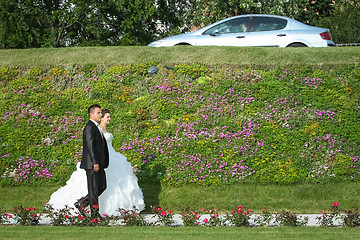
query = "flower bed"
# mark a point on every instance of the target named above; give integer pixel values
(241, 217)
(187, 125)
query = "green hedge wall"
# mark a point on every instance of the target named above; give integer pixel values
(188, 124)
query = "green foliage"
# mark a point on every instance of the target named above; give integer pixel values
(342, 22)
(286, 218)
(193, 71)
(7, 74)
(26, 216)
(190, 125)
(89, 69)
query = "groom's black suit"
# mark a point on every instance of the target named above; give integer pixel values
(95, 151)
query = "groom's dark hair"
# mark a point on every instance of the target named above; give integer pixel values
(92, 107)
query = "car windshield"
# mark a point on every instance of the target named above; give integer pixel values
(268, 24)
(236, 25)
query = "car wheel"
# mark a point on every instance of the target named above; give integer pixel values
(182, 44)
(297, 45)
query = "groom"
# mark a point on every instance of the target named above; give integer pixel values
(95, 159)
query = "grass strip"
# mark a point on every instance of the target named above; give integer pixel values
(298, 198)
(232, 56)
(52, 232)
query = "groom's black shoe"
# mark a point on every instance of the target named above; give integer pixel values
(81, 204)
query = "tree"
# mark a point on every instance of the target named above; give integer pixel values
(19, 25)
(343, 22)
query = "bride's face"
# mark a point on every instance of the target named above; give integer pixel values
(106, 118)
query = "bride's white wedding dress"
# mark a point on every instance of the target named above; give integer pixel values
(122, 189)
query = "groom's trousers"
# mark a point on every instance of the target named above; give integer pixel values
(96, 182)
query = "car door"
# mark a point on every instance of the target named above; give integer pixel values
(268, 32)
(229, 33)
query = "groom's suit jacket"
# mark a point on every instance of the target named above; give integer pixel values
(95, 149)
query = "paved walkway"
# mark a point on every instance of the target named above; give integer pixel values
(150, 218)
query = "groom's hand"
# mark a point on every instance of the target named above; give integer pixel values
(96, 167)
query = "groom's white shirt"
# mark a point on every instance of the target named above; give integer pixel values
(97, 125)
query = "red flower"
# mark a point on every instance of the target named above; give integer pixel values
(96, 206)
(170, 211)
(94, 220)
(245, 213)
(240, 206)
(203, 210)
(159, 209)
(335, 204)
(322, 213)
(67, 216)
(239, 210)
(163, 213)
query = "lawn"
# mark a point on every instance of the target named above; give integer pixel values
(213, 56)
(298, 198)
(51, 232)
(65, 77)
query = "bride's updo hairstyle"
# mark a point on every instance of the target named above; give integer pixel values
(104, 111)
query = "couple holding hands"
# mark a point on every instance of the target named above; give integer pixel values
(108, 182)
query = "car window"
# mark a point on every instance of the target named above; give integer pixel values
(269, 24)
(236, 25)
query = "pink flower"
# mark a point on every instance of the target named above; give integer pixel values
(245, 213)
(322, 213)
(240, 206)
(163, 213)
(159, 209)
(203, 210)
(335, 204)
(249, 210)
(94, 220)
(169, 211)
(239, 210)
(205, 220)
(96, 206)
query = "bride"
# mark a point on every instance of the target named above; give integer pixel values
(122, 192)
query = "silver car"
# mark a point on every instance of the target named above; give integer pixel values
(253, 30)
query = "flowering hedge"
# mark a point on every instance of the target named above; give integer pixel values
(187, 124)
(241, 217)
